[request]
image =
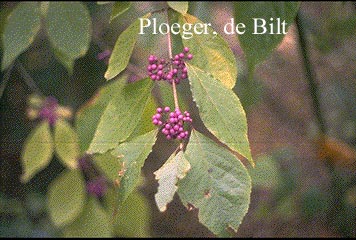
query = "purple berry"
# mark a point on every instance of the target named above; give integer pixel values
(186, 49)
(167, 109)
(97, 187)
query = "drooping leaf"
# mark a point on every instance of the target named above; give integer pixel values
(181, 7)
(37, 151)
(136, 223)
(68, 26)
(123, 48)
(133, 156)
(218, 185)
(66, 60)
(121, 116)
(176, 167)
(258, 46)
(221, 110)
(66, 197)
(88, 117)
(21, 28)
(93, 222)
(119, 8)
(66, 143)
(109, 164)
(211, 53)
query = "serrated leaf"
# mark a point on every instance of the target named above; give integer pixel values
(88, 116)
(123, 48)
(68, 26)
(119, 8)
(134, 154)
(181, 7)
(92, 222)
(176, 167)
(21, 28)
(218, 185)
(258, 46)
(136, 223)
(66, 197)
(211, 53)
(109, 164)
(221, 110)
(37, 151)
(121, 116)
(66, 143)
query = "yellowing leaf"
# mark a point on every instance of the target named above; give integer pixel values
(66, 143)
(181, 6)
(211, 53)
(175, 168)
(121, 116)
(123, 48)
(37, 151)
(221, 110)
(66, 197)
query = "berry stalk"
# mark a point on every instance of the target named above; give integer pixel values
(176, 104)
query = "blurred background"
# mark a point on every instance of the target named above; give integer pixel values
(304, 185)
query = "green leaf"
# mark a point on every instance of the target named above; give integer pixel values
(93, 222)
(121, 116)
(37, 151)
(181, 7)
(67, 61)
(211, 53)
(218, 185)
(21, 28)
(134, 154)
(257, 47)
(176, 167)
(110, 165)
(119, 8)
(68, 26)
(221, 111)
(66, 144)
(66, 197)
(123, 48)
(265, 173)
(136, 223)
(145, 125)
(88, 116)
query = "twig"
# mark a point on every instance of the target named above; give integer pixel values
(6, 79)
(27, 78)
(310, 74)
(171, 56)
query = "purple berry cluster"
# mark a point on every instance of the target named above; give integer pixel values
(172, 70)
(97, 187)
(48, 110)
(104, 56)
(173, 127)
